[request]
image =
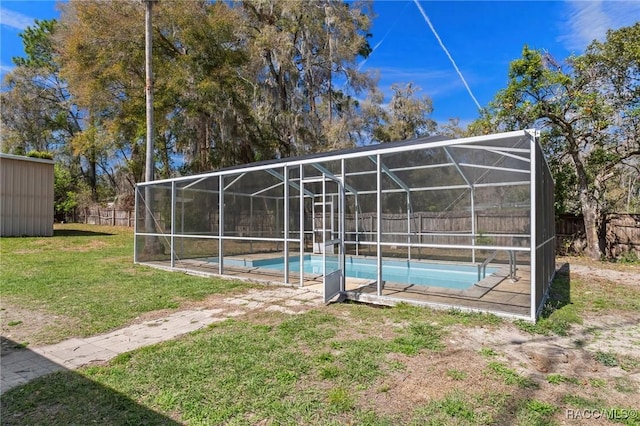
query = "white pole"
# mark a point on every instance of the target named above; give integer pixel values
(473, 224)
(220, 224)
(286, 224)
(302, 227)
(534, 241)
(173, 223)
(379, 222)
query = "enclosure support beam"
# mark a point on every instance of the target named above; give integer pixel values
(295, 186)
(473, 197)
(534, 232)
(379, 223)
(251, 224)
(285, 213)
(221, 225)
(325, 171)
(357, 229)
(301, 194)
(409, 226)
(135, 226)
(173, 224)
(473, 223)
(324, 230)
(230, 184)
(182, 224)
(392, 175)
(341, 227)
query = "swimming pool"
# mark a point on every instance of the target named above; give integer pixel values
(447, 275)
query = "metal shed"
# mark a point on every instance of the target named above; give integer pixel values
(465, 223)
(26, 196)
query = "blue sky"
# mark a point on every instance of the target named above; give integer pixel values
(481, 37)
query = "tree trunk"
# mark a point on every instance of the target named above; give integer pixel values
(591, 217)
(588, 202)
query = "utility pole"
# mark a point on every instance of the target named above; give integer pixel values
(152, 243)
(148, 56)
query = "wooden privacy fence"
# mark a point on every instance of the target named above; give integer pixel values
(440, 228)
(106, 216)
(621, 232)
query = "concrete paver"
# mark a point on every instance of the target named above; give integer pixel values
(20, 367)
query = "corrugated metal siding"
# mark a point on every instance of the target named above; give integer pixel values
(26, 196)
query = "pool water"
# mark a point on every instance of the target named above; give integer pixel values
(453, 276)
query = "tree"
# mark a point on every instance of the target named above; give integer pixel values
(406, 116)
(37, 112)
(303, 62)
(234, 83)
(589, 112)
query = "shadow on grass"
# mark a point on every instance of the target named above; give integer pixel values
(77, 233)
(37, 391)
(560, 291)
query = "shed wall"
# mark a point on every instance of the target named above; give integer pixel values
(26, 196)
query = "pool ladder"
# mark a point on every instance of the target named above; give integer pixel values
(482, 267)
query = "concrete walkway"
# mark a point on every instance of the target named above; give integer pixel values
(22, 366)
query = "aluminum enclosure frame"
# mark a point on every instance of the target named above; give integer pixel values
(389, 190)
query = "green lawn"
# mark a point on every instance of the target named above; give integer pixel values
(345, 363)
(86, 275)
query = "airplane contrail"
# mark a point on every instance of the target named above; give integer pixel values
(433, 30)
(383, 39)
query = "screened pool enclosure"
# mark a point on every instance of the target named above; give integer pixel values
(465, 223)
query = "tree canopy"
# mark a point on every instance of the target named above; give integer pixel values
(237, 82)
(588, 109)
(233, 83)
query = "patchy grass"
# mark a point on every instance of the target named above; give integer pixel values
(558, 313)
(556, 379)
(488, 352)
(510, 376)
(607, 359)
(598, 295)
(86, 274)
(534, 412)
(403, 312)
(296, 371)
(456, 374)
(570, 300)
(339, 364)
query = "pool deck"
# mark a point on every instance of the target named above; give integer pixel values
(497, 294)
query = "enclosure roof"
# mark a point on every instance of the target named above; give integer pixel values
(338, 152)
(430, 142)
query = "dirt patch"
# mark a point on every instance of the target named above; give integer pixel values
(22, 327)
(620, 277)
(552, 370)
(430, 376)
(619, 273)
(563, 371)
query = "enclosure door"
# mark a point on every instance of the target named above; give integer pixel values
(328, 231)
(333, 252)
(324, 224)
